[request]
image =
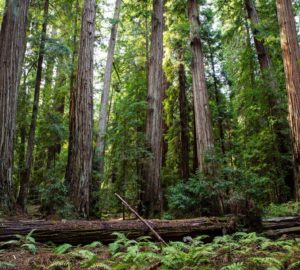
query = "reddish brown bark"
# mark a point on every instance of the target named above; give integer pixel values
(81, 232)
(72, 80)
(203, 124)
(151, 194)
(80, 160)
(12, 44)
(291, 59)
(26, 171)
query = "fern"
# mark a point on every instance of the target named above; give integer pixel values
(62, 248)
(234, 266)
(60, 264)
(4, 265)
(294, 266)
(31, 247)
(101, 266)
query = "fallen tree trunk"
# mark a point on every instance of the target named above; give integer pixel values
(82, 232)
(276, 227)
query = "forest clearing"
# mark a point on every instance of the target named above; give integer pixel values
(150, 134)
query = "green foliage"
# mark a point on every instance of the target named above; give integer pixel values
(54, 199)
(62, 248)
(240, 251)
(281, 210)
(27, 242)
(4, 265)
(227, 186)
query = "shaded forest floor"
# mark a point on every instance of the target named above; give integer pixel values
(241, 251)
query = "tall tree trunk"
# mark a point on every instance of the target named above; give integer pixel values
(100, 151)
(204, 133)
(12, 44)
(151, 194)
(25, 175)
(80, 161)
(184, 119)
(291, 59)
(72, 97)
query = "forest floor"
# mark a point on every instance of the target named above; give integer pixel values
(241, 251)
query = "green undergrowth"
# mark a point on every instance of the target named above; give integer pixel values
(241, 251)
(282, 210)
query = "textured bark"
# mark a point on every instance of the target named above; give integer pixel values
(80, 160)
(184, 126)
(204, 133)
(81, 232)
(151, 194)
(291, 59)
(100, 151)
(26, 171)
(12, 44)
(72, 98)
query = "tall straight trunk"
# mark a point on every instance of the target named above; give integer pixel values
(184, 119)
(100, 151)
(25, 175)
(204, 133)
(72, 98)
(80, 161)
(291, 59)
(12, 44)
(151, 194)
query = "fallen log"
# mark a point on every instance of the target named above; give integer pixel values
(81, 232)
(281, 226)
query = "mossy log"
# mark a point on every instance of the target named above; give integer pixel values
(81, 232)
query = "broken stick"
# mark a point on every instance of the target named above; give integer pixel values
(141, 219)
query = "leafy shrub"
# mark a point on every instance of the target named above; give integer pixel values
(200, 194)
(54, 199)
(281, 210)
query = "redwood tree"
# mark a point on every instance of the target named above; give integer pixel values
(203, 123)
(26, 171)
(12, 44)
(291, 59)
(80, 159)
(151, 194)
